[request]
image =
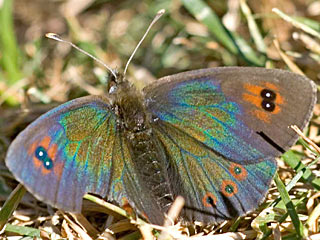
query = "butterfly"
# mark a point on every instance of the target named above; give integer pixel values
(209, 135)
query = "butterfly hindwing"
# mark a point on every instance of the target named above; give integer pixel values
(214, 188)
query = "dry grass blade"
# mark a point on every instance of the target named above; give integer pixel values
(74, 7)
(172, 215)
(13, 91)
(190, 36)
(309, 42)
(82, 233)
(308, 140)
(229, 236)
(82, 221)
(296, 23)
(286, 59)
(313, 213)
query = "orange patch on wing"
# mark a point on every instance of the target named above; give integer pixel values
(256, 99)
(231, 184)
(276, 110)
(52, 152)
(124, 201)
(37, 162)
(32, 148)
(262, 115)
(238, 175)
(45, 142)
(252, 99)
(279, 99)
(125, 205)
(254, 89)
(272, 86)
(45, 171)
(205, 199)
(58, 169)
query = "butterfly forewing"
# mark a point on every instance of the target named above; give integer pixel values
(271, 101)
(224, 108)
(69, 151)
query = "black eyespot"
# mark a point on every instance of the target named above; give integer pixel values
(268, 94)
(229, 189)
(210, 200)
(47, 163)
(268, 105)
(41, 153)
(237, 170)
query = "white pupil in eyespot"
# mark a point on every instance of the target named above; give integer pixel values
(268, 105)
(41, 153)
(268, 95)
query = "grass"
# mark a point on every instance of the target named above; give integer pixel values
(37, 74)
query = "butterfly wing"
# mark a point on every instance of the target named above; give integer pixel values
(71, 150)
(214, 188)
(222, 128)
(223, 108)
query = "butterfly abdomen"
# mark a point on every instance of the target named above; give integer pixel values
(147, 154)
(149, 161)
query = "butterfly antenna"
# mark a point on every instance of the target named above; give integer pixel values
(56, 37)
(156, 18)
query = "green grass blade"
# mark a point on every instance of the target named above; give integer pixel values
(272, 217)
(253, 28)
(294, 161)
(235, 44)
(289, 206)
(105, 204)
(8, 44)
(295, 22)
(11, 204)
(247, 52)
(315, 25)
(24, 231)
(203, 13)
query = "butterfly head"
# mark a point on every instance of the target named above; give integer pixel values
(128, 104)
(112, 80)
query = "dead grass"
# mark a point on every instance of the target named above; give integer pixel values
(54, 73)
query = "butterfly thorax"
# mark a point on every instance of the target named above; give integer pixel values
(128, 105)
(147, 154)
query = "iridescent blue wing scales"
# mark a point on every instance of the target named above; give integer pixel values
(217, 127)
(223, 108)
(214, 188)
(71, 150)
